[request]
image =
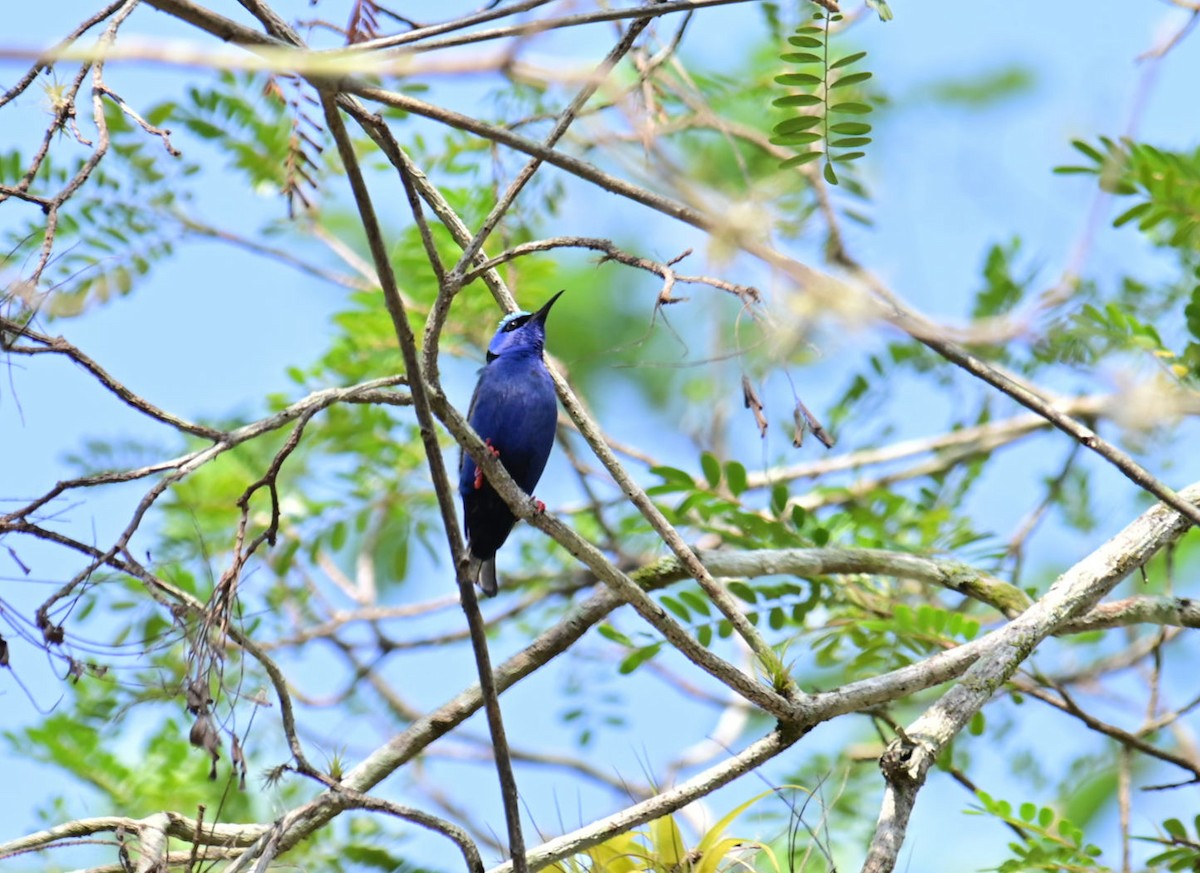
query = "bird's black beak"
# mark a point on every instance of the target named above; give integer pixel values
(540, 315)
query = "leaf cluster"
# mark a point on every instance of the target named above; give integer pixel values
(1049, 841)
(111, 232)
(1165, 183)
(831, 124)
(1181, 850)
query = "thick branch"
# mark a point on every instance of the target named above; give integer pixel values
(909, 758)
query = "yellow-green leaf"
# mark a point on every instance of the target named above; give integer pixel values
(717, 853)
(668, 841)
(619, 854)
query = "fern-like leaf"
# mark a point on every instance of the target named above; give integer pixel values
(821, 131)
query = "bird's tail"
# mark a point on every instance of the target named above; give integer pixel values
(482, 571)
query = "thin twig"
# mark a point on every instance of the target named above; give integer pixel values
(26, 80)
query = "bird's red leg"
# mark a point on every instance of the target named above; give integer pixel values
(538, 506)
(479, 470)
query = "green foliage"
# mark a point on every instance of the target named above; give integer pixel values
(107, 237)
(164, 773)
(1049, 842)
(364, 844)
(830, 123)
(1002, 290)
(1190, 358)
(1165, 183)
(866, 625)
(984, 89)
(249, 117)
(1181, 850)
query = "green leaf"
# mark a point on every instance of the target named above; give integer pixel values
(779, 498)
(1088, 150)
(801, 58)
(852, 108)
(673, 478)
(680, 611)
(803, 41)
(637, 657)
(742, 591)
(203, 129)
(735, 476)
(611, 633)
(796, 139)
(831, 178)
(851, 128)
(799, 160)
(798, 80)
(881, 9)
(160, 113)
(851, 79)
(1175, 829)
(847, 60)
(696, 601)
(850, 142)
(712, 469)
(1133, 212)
(798, 100)
(795, 125)
(373, 857)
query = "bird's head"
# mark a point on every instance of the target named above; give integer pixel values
(521, 332)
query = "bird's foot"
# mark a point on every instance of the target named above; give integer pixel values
(478, 470)
(538, 506)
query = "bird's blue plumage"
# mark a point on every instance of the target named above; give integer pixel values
(514, 411)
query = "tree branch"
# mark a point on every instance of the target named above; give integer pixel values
(662, 804)
(437, 471)
(909, 757)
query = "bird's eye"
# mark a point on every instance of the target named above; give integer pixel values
(515, 323)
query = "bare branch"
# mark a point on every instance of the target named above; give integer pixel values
(612, 252)
(60, 346)
(26, 80)
(642, 13)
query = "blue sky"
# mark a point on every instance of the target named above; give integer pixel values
(947, 184)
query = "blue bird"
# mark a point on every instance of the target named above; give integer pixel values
(514, 411)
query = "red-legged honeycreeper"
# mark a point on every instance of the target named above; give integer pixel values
(514, 411)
